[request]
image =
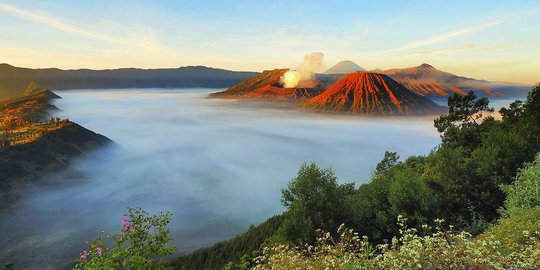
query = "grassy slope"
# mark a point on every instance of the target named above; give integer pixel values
(509, 231)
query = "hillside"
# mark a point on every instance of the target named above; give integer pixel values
(372, 94)
(280, 94)
(426, 80)
(13, 79)
(344, 67)
(267, 77)
(32, 146)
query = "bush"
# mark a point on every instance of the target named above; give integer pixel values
(514, 232)
(426, 248)
(140, 244)
(524, 193)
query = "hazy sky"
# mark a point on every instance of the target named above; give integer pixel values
(494, 40)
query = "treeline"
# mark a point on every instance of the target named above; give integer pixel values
(461, 181)
(236, 253)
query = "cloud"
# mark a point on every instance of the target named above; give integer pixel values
(134, 39)
(58, 24)
(450, 35)
(450, 49)
(464, 31)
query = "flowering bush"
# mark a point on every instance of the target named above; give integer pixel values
(424, 248)
(140, 244)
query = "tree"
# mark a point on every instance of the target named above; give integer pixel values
(390, 159)
(314, 200)
(461, 125)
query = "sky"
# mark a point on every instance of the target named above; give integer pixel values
(492, 40)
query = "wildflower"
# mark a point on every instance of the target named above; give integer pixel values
(385, 240)
(125, 223)
(99, 251)
(84, 255)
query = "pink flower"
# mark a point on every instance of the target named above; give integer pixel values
(125, 223)
(99, 251)
(84, 255)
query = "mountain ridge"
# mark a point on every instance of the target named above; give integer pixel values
(12, 78)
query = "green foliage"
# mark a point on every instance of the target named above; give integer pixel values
(524, 192)
(314, 200)
(228, 254)
(426, 248)
(140, 244)
(409, 195)
(9, 266)
(458, 181)
(459, 126)
(514, 232)
(390, 159)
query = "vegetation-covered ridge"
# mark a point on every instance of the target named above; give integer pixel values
(34, 143)
(12, 79)
(480, 173)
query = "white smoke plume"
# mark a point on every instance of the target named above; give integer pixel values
(313, 63)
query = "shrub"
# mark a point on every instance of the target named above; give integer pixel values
(426, 248)
(524, 193)
(510, 232)
(140, 244)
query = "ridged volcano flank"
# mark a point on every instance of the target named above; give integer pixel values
(371, 93)
(267, 77)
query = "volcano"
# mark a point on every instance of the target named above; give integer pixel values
(426, 80)
(372, 94)
(266, 78)
(276, 93)
(344, 67)
(267, 87)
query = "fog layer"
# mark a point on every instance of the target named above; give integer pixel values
(218, 166)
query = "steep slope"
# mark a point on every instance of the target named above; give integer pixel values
(372, 94)
(426, 80)
(31, 147)
(280, 94)
(267, 77)
(267, 87)
(13, 79)
(344, 67)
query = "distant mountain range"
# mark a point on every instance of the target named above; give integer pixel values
(13, 79)
(424, 80)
